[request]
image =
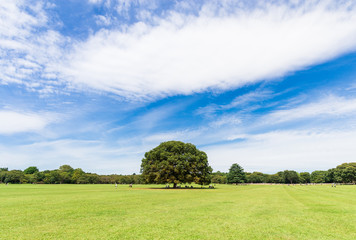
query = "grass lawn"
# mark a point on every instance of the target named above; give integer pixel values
(227, 212)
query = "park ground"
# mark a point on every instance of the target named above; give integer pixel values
(148, 212)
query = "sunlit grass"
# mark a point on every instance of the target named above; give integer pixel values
(227, 212)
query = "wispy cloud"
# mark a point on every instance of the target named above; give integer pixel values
(276, 151)
(153, 51)
(244, 102)
(330, 107)
(226, 140)
(29, 47)
(183, 135)
(183, 54)
(124, 11)
(304, 137)
(91, 156)
(16, 122)
(218, 46)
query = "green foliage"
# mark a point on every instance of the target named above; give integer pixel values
(65, 177)
(290, 176)
(304, 177)
(13, 176)
(66, 168)
(331, 177)
(52, 177)
(318, 176)
(176, 162)
(93, 178)
(275, 178)
(256, 177)
(344, 173)
(78, 175)
(39, 177)
(30, 170)
(236, 174)
(219, 177)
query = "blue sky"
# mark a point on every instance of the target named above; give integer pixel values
(270, 85)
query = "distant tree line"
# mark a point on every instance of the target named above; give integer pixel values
(344, 173)
(65, 174)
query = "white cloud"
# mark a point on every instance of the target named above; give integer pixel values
(186, 54)
(314, 147)
(325, 114)
(329, 107)
(302, 145)
(91, 156)
(276, 151)
(317, 144)
(240, 102)
(230, 120)
(126, 8)
(183, 135)
(103, 20)
(29, 48)
(15, 122)
(226, 45)
(95, 1)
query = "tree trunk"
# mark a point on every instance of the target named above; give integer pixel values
(174, 185)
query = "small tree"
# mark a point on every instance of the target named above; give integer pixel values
(176, 162)
(236, 174)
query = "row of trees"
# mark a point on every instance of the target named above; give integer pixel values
(65, 174)
(181, 163)
(344, 173)
(175, 162)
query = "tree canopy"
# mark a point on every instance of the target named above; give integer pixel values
(256, 177)
(304, 177)
(344, 173)
(31, 170)
(290, 176)
(236, 174)
(176, 162)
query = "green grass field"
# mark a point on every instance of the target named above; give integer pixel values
(227, 212)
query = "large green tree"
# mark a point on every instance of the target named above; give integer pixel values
(176, 162)
(236, 174)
